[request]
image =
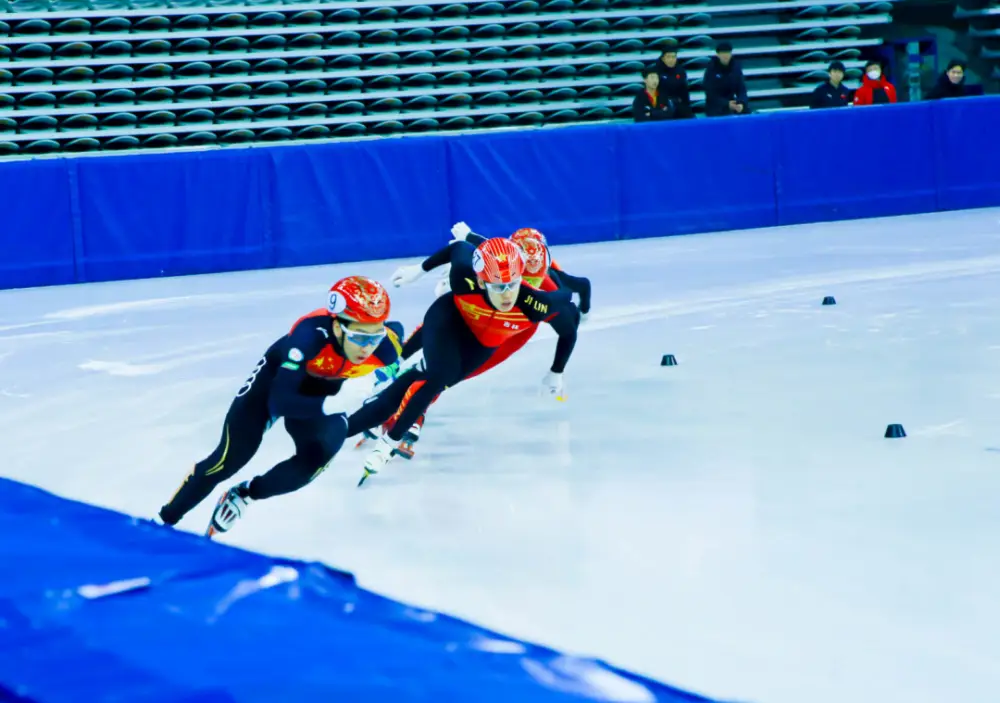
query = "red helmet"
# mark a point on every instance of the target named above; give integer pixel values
(359, 299)
(536, 256)
(529, 233)
(498, 260)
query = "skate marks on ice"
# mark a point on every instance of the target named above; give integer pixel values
(789, 288)
(176, 357)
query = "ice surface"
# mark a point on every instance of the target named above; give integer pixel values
(736, 525)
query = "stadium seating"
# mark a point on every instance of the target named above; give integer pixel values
(984, 28)
(95, 75)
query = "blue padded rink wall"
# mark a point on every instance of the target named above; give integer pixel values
(735, 525)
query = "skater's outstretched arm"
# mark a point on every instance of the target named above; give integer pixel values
(576, 284)
(563, 316)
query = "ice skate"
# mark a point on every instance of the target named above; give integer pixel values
(378, 457)
(229, 509)
(405, 448)
(374, 434)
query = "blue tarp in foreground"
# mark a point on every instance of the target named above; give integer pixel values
(115, 217)
(96, 607)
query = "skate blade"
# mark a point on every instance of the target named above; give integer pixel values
(367, 473)
(361, 443)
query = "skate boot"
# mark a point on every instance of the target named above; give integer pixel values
(405, 448)
(378, 457)
(229, 509)
(374, 433)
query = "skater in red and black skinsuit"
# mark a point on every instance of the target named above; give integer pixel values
(541, 272)
(297, 379)
(487, 306)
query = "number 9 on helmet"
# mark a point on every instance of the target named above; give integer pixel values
(359, 299)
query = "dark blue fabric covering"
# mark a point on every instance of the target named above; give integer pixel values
(128, 216)
(859, 162)
(169, 214)
(679, 178)
(562, 182)
(97, 606)
(37, 229)
(357, 201)
(967, 152)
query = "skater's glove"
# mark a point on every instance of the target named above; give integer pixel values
(460, 231)
(334, 405)
(406, 275)
(552, 385)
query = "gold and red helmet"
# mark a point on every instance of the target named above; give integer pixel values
(498, 260)
(536, 257)
(529, 233)
(536, 253)
(359, 299)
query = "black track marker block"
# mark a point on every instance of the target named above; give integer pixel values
(894, 431)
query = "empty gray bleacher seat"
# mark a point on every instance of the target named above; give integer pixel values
(341, 70)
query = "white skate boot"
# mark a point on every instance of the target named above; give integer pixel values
(229, 509)
(378, 457)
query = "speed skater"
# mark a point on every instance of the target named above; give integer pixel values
(297, 379)
(541, 272)
(487, 305)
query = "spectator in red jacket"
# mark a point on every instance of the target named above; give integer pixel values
(875, 89)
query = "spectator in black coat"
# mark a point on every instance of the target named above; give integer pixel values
(649, 105)
(725, 89)
(951, 83)
(832, 93)
(674, 82)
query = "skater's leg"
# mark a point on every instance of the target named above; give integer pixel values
(505, 351)
(450, 352)
(414, 343)
(317, 441)
(381, 407)
(246, 422)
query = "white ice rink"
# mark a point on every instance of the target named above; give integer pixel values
(735, 525)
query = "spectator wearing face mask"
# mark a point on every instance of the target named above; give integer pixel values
(875, 89)
(832, 93)
(951, 83)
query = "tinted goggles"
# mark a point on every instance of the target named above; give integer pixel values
(500, 288)
(364, 339)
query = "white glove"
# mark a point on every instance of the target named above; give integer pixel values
(332, 405)
(552, 384)
(460, 231)
(406, 275)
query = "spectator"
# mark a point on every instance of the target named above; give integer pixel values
(951, 83)
(832, 93)
(674, 82)
(875, 89)
(725, 89)
(649, 105)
